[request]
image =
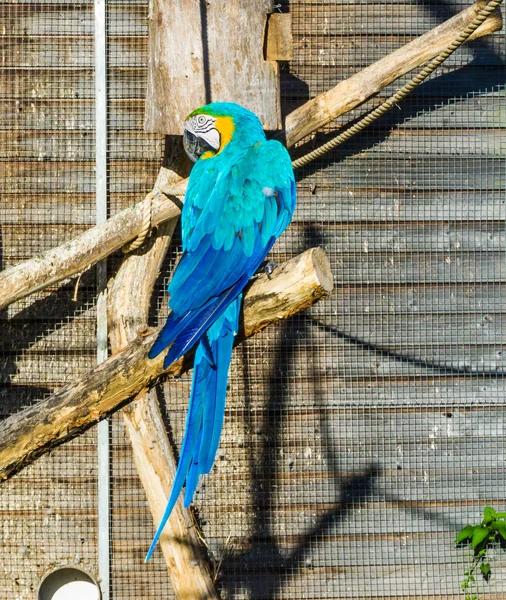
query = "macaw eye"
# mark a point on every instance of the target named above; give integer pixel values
(201, 119)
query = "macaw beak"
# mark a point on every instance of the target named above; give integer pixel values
(195, 146)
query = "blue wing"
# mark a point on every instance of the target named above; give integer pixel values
(228, 229)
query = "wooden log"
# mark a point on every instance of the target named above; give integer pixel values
(87, 249)
(367, 83)
(194, 60)
(128, 306)
(128, 301)
(26, 435)
(279, 40)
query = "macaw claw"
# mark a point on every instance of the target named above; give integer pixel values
(269, 268)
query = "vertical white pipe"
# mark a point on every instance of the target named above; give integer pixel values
(101, 216)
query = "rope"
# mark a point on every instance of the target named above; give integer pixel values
(146, 223)
(404, 91)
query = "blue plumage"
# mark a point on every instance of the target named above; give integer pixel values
(240, 198)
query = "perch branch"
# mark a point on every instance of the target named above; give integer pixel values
(26, 435)
(95, 244)
(356, 90)
(128, 301)
(87, 249)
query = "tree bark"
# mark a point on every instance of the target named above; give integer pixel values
(26, 435)
(95, 244)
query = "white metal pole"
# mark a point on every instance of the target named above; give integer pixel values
(101, 216)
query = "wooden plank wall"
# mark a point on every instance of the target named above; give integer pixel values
(358, 437)
(48, 512)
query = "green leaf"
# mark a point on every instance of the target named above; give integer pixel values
(465, 534)
(480, 534)
(500, 515)
(489, 515)
(501, 529)
(485, 569)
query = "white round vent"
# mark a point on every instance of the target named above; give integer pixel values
(68, 584)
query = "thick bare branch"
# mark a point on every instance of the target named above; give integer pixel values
(367, 83)
(128, 301)
(27, 435)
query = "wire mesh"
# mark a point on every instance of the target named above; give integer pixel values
(48, 339)
(359, 436)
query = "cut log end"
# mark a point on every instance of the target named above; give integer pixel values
(322, 270)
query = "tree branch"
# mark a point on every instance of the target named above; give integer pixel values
(87, 249)
(95, 244)
(26, 435)
(367, 83)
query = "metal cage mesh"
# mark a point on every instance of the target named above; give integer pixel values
(360, 435)
(48, 339)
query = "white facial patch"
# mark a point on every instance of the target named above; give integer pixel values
(212, 137)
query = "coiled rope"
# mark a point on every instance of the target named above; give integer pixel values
(402, 92)
(146, 223)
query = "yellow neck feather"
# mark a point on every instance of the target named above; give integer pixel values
(225, 126)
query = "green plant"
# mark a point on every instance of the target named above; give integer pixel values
(491, 530)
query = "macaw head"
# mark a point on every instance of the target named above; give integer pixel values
(210, 129)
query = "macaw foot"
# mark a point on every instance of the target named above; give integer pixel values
(269, 268)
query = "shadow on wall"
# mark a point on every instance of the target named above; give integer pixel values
(20, 332)
(264, 568)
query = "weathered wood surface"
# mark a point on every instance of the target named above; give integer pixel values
(50, 17)
(37, 115)
(367, 204)
(91, 247)
(129, 83)
(128, 302)
(381, 174)
(367, 83)
(279, 40)
(293, 287)
(56, 495)
(207, 62)
(406, 175)
(332, 48)
(68, 147)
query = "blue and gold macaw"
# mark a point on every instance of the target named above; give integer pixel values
(240, 198)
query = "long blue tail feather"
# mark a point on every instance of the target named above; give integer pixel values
(206, 409)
